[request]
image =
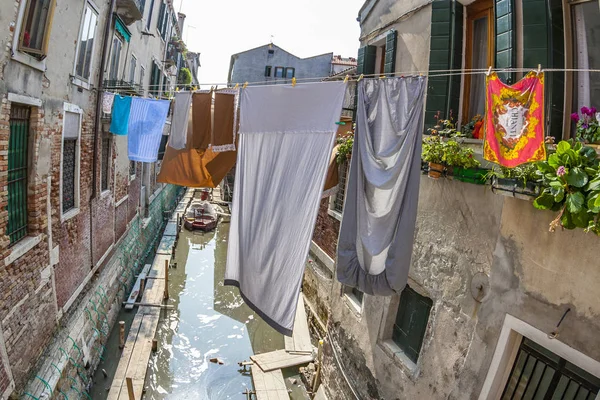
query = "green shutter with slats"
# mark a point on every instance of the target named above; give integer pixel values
(390, 52)
(445, 53)
(546, 16)
(366, 60)
(161, 17)
(505, 55)
(411, 322)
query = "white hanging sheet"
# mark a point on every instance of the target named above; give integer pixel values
(179, 123)
(286, 137)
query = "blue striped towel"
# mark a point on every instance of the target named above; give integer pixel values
(146, 123)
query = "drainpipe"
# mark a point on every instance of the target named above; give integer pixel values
(105, 45)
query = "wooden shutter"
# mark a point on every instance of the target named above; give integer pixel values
(544, 19)
(504, 13)
(443, 93)
(390, 52)
(411, 322)
(161, 18)
(366, 60)
(17, 173)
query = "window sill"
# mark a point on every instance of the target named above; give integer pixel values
(118, 203)
(353, 305)
(146, 222)
(131, 178)
(397, 355)
(29, 60)
(69, 214)
(334, 214)
(80, 83)
(21, 248)
(105, 193)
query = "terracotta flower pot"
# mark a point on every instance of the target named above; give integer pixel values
(435, 170)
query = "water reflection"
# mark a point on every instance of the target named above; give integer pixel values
(210, 321)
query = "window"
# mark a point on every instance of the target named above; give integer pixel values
(142, 74)
(17, 173)
(116, 59)
(163, 20)
(355, 296)
(271, 51)
(278, 72)
(69, 181)
(150, 10)
(106, 145)
(35, 31)
(479, 55)
(132, 69)
(338, 202)
(411, 322)
(290, 73)
(162, 147)
(268, 70)
(86, 43)
(586, 54)
(155, 79)
(540, 374)
(132, 169)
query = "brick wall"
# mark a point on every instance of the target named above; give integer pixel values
(326, 230)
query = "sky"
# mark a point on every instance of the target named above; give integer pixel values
(219, 28)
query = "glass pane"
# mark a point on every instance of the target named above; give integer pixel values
(479, 61)
(289, 73)
(90, 44)
(545, 383)
(525, 377)
(81, 53)
(515, 375)
(586, 23)
(35, 24)
(68, 178)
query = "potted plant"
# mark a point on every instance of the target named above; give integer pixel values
(588, 127)
(521, 182)
(345, 144)
(462, 162)
(473, 130)
(444, 127)
(571, 186)
(433, 154)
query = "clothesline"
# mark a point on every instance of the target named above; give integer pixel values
(355, 77)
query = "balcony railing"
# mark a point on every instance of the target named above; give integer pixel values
(130, 10)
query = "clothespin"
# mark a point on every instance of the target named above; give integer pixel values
(195, 88)
(294, 82)
(346, 78)
(360, 77)
(382, 77)
(237, 85)
(539, 69)
(245, 85)
(489, 71)
(177, 89)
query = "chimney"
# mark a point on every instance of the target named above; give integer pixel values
(180, 21)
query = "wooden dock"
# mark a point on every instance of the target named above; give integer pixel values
(269, 385)
(138, 346)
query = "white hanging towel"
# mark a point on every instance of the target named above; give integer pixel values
(179, 123)
(108, 99)
(380, 209)
(286, 137)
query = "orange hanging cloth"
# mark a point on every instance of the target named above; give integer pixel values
(514, 121)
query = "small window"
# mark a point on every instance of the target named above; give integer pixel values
(162, 147)
(86, 43)
(355, 296)
(35, 31)
(105, 172)
(268, 70)
(411, 322)
(17, 173)
(586, 54)
(132, 65)
(271, 51)
(70, 160)
(117, 45)
(290, 73)
(278, 72)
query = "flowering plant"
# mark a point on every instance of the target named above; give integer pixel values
(457, 155)
(571, 181)
(345, 144)
(588, 126)
(444, 127)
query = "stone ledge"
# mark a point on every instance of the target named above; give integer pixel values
(21, 248)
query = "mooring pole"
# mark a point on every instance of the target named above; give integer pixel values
(121, 334)
(130, 388)
(166, 279)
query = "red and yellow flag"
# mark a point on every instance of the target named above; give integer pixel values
(514, 121)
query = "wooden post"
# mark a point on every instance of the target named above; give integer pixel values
(130, 388)
(154, 345)
(166, 279)
(121, 334)
(142, 286)
(316, 379)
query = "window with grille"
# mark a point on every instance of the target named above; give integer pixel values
(106, 144)
(338, 204)
(86, 43)
(17, 173)
(70, 161)
(35, 31)
(411, 322)
(540, 374)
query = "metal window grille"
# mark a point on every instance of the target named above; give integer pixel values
(540, 374)
(411, 322)
(17, 173)
(338, 204)
(68, 178)
(105, 162)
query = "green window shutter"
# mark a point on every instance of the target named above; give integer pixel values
(390, 52)
(161, 17)
(366, 60)
(443, 93)
(17, 173)
(506, 55)
(411, 322)
(546, 16)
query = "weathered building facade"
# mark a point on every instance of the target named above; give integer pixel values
(71, 227)
(488, 283)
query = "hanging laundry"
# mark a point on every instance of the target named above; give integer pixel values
(146, 124)
(201, 115)
(119, 124)
(285, 140)
(332, 178)
(225, 121)
(179, 122)
(380, 210)
(514, 121)
(193, 167)
(107, 102)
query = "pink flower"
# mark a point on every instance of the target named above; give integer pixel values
(593, 111)
(561, 171)
(575, 117)
(585, 110)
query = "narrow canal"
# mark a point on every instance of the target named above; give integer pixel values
(209, 321)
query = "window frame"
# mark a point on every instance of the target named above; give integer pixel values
(103, 173)
(132, 68)
(43, 52)
(285, 72)
(112, 57)
(341, 191)
(268, 70)
(77, 79)
(64, 216)
(142, 76)
(282, 72)
(353, 300)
